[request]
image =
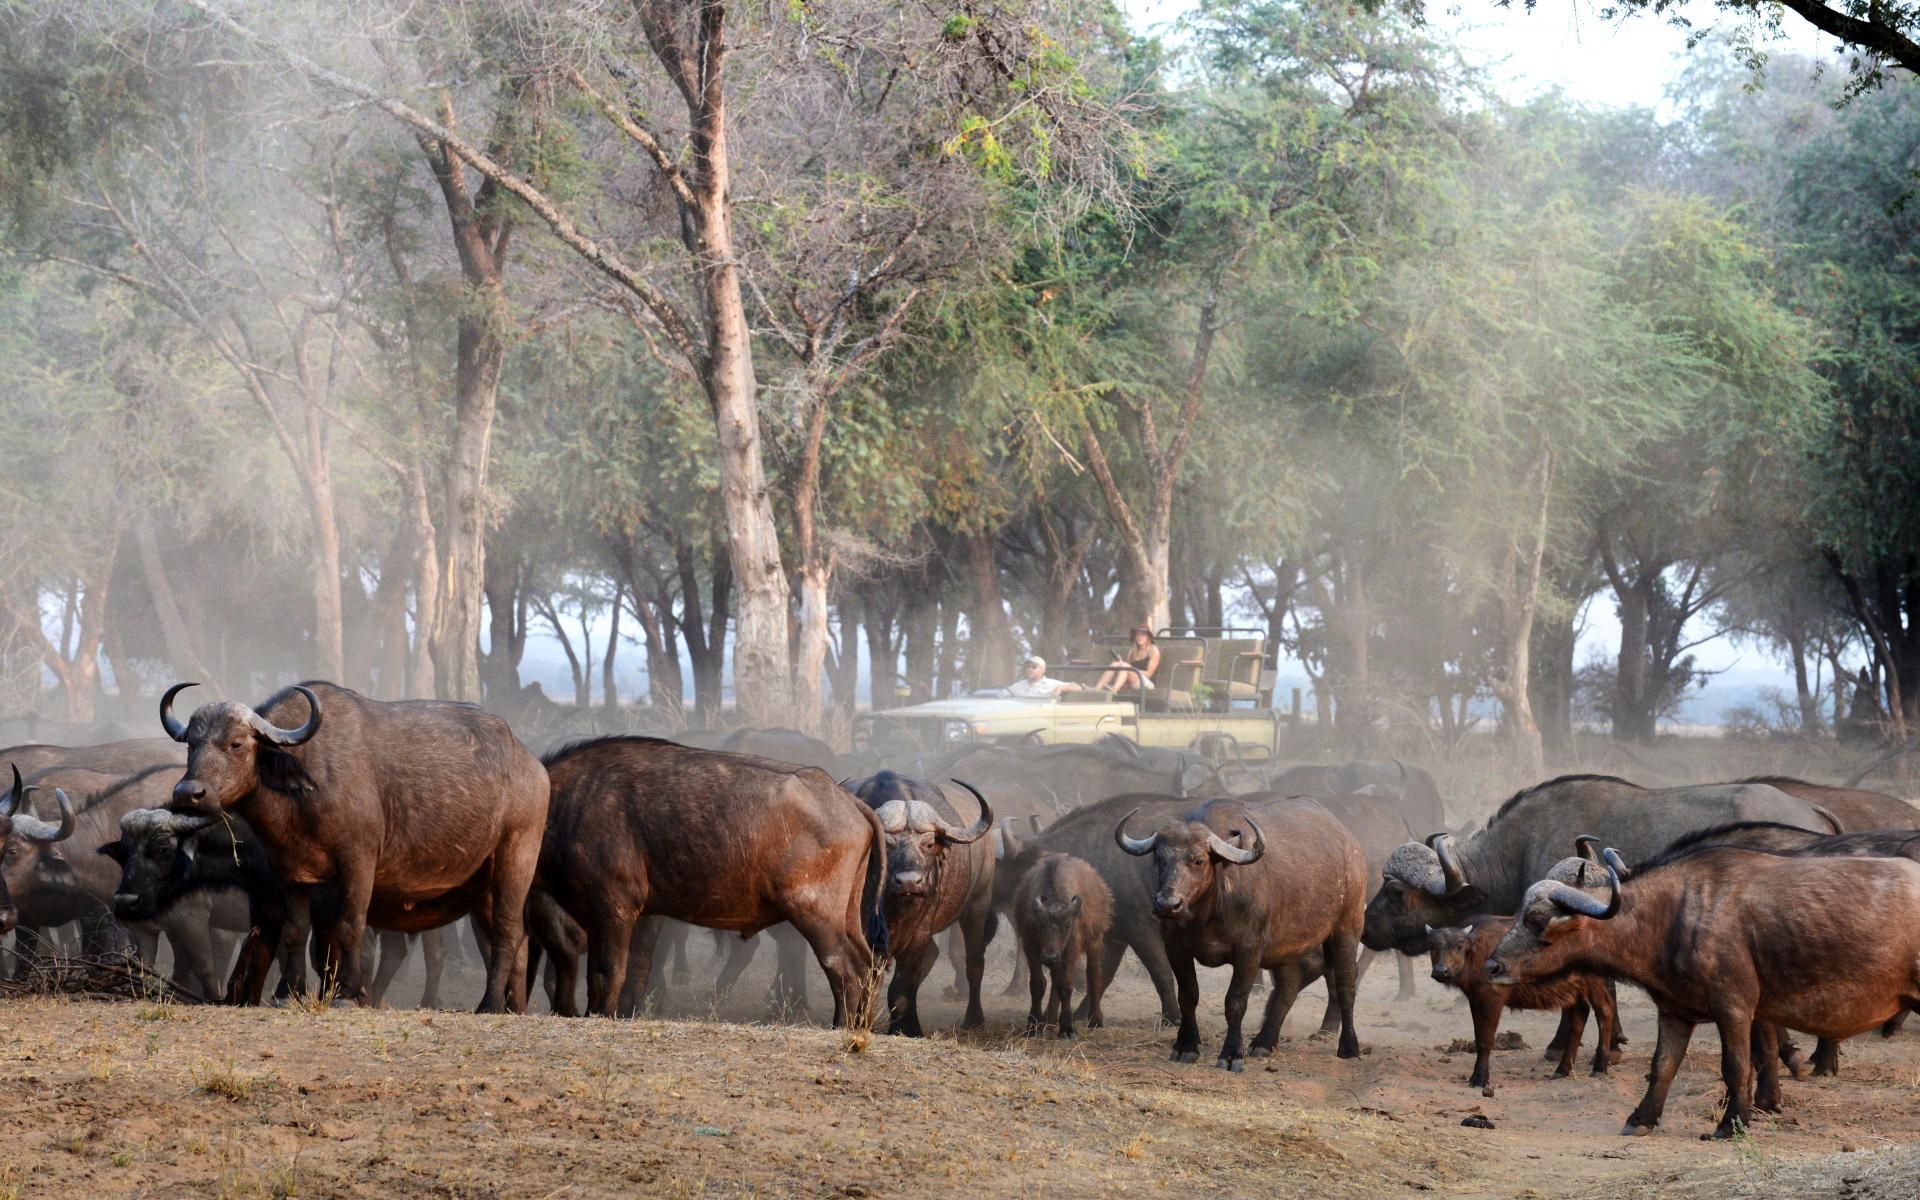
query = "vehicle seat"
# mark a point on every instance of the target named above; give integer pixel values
(1233, 670)
(1177, 693)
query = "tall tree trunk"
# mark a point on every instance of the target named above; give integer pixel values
(370, 664)
(845, 673)
(883, 658)
(990, 633)
(1517, 597)
(502, 661)
(323, 565)
(917, 624)
(609, 689)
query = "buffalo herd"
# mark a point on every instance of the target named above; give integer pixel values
(302, 830)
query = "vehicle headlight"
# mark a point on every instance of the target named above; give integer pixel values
(957, 730)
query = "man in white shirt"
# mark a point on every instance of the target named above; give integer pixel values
(1034, 684)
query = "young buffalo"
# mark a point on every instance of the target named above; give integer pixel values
(1460, 961)
(1061, 912)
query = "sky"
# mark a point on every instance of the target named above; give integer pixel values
(1561, 44)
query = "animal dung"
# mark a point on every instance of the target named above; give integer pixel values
(1476, 1121)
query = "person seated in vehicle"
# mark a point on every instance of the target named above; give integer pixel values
(1142, 655)
(1034, 684)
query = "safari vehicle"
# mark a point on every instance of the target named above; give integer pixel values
(1215, 695)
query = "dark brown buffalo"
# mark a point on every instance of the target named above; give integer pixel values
(420, 812)
(1050, 781)
(1459, 959)
(641, 827)
(1752, 940)
(1061, 912)
(118, 759)
(1859, 810)
(1226, 897)
(939, 873)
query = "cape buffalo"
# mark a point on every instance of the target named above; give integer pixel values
(118, 759)
(1859, 810)
(1061, 912)
(939, 873)
(14, 819)
(1490, 870)
(1225, 897)
(641, 827)
(420, 812)
(1751, 940)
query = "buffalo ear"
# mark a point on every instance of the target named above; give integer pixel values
(1471, 897)
(113, 851)
(1076, 904)
(1558, 924)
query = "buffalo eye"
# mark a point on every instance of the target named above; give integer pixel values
(235, 745)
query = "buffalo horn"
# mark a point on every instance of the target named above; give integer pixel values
(1453, 878)
(1133, 845)
(1575, 900)
(288, 737)
(1618, 864)
(1233, 853)
(35, 830)
(1033, 819)
(11, 803)
(1587, 846)
(975, 831)
(176, 729)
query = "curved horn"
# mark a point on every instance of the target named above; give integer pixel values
(11, 804)
(1587, 846)
(1234, 854)
(1133, 845)
(35, 830)
(975, 831)
(1033, 819)
(1618, 864)
(288, 737)
(172, 724)
(1575, 900)
(1451, 873)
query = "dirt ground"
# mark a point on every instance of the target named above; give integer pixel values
(134, 1099)
(137, 1099)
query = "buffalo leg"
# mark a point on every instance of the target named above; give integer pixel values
(957, 959)
(1486, 1027)
(1406, 977)
(787, 996)
(973, 933)
(1233, 1055)
(1766, 1066)
(1668, 1050)
(1606, 1016)
(1288, 979)
(514, 861)
(1036, 987)
(1021, 966)
(840, 946)
(1826, 1058)
(608, 944)
(1151, 949)
(249, 978)
(393, 956)
(1186, 1044)
(1736, 1070)
(1576, 1029)
(903, 993)
(433, 950)
(646, 938)
(740, 953)
(1557, 1045)
(1063, 993)
(674, 935)
(349, 931)
(1341, 950)
(1111, 952)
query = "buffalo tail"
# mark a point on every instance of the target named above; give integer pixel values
(873, 893)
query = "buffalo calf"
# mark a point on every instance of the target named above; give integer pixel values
(1061, 912)
(1460, 961)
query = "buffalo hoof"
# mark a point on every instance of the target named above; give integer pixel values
(1632, 1130)
(1033, 1029)
(1186, 1056)
(1476, 1081)
(1259, 1051)
(973, 1021)
(1068, 1035)
(1236, 1065)
(1767, 1104)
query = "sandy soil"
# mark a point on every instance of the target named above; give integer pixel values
(134, 1099)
